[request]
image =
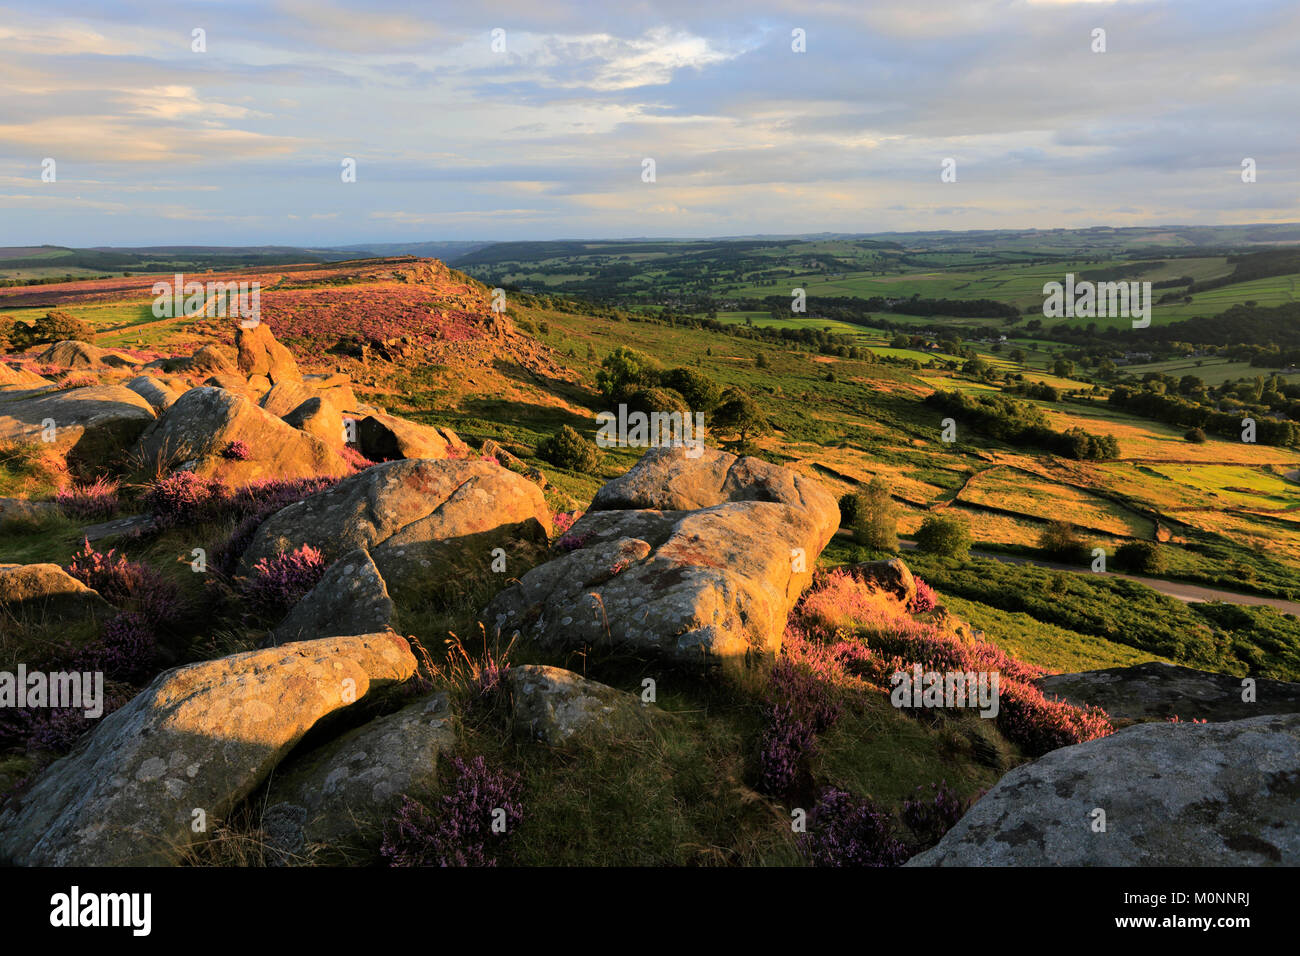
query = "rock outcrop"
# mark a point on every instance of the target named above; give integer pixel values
(557, 706)
(90, 425)
(154, 391)
(420, 520)
(689, 558)
(199, 738)
(1156, 691)
(341, 792)
(261, 354)
(74, 354)
(45, 592)
(351, 598)
(194, 433)
(383, 437)
(1182, 794)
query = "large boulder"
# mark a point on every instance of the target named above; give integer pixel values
(195, 433)
(891, 576)
(421, 521)
(45, 592)
(383, 437)
(558, 707)
(713, 578)
(342, 791)
(350, 598)
(317, 416)
(155, 391)
(14, 377)
(24, 511)
(284, 397)
(213, 360)
(1173, 794)
(90, 425)
(73, 354)
(1157, 691)
(198, 738)
(261, 354)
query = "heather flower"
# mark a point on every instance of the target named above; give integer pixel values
(924, 599)
(277, 584)
(127, 584)
(126, 650)
(573, 542)
(787, 746)
(78, 380)
(237, 450)
(89, 502)
(929, 818)
(562, 521)
(354, 459)
(844, 830)
(461, 834)
(182, 498)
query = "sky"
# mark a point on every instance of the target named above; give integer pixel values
(528, 120)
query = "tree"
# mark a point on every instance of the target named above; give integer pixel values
(651, 400)
(58, 326)
(624, 371)
(1018, 356)
(760, 361)
(1063, 368)
(741, 415)
(1061, 540)
(875, 517)
(1196, 436)
(702, 393)
(944, 535)
(567, 449)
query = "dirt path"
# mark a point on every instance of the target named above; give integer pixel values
(1180, 590)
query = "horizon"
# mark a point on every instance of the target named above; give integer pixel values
(541, 132)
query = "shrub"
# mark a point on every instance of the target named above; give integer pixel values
(237, 450)
(930, 817)
(1196, 436)
(277, 584)
(462, 833)
(182, 498)
(562, 521)
(800, 705)
(127, 584)
(848, 509)
(8, 328)
(78, 380)
(1061, 540)
(844, 830)
(944, 535)
(1140, 557)
(567, 449)
(89, 502)
(924, 600)
(127, 649)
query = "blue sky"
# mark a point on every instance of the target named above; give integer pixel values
(242, 144)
